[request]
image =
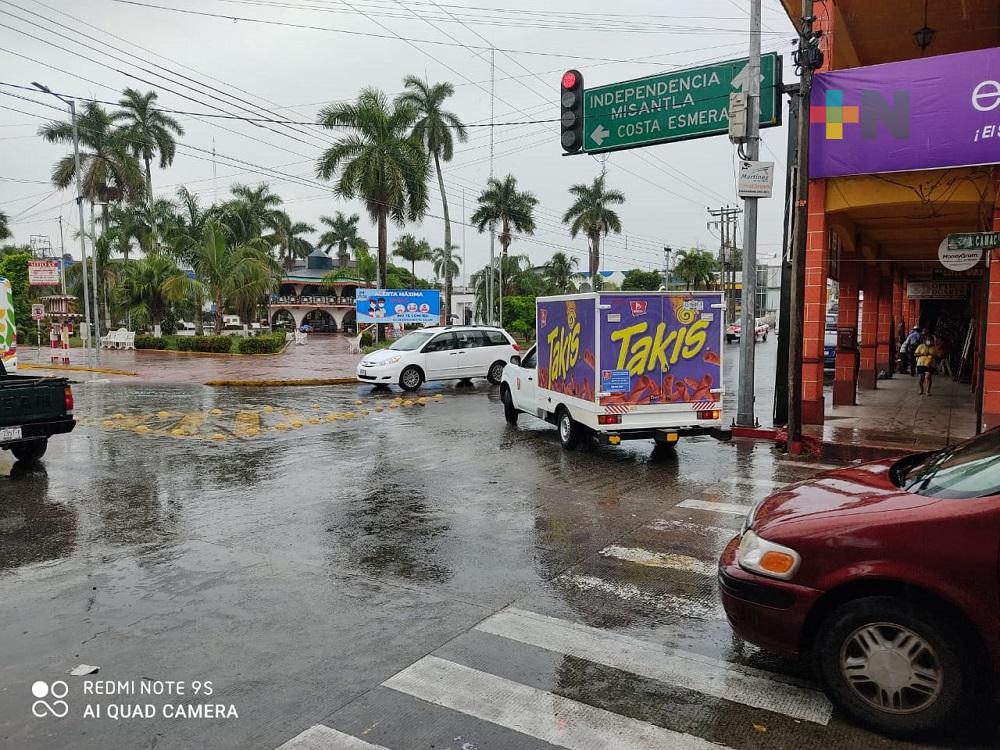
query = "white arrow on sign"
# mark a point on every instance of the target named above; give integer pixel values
(741, 79)
(599, 134)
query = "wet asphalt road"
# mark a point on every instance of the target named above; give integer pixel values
(394, 576)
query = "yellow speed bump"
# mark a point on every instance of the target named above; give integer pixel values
(313, 420)
(218, 437)
(281, 426)
(268, 409)
(364, 412)
(408, 402)
(215, 412)
(331, 417)
(163, 414)
(378, 408)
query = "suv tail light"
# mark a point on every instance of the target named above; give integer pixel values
(609, 419)
(68, 397)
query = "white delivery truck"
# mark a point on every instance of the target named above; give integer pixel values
(622, 366)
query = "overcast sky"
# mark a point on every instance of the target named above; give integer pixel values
(293, 71)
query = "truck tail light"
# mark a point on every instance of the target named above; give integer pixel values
(609, 419)
(712, 414)
(68, 397)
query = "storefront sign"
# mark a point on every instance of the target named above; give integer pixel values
(398, 306)
(756, 179)
(957, 252)
(43, 273)
(943, 274)
(937, 290)
(929, 113)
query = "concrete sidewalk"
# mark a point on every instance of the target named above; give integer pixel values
(321, 357)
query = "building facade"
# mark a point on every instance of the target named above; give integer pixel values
(318, 292)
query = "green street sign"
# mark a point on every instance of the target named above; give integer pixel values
(676, 106)
(973, 240)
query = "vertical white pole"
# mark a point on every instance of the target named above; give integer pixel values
(83, 230)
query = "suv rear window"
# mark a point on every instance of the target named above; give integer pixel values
(496, 338)
(967, 470)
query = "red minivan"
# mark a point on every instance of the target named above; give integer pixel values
(886, 577)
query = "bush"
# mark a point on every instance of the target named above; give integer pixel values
(265, 344)
(367, 339)
(216, 344)
(168, 326)
(150, 342)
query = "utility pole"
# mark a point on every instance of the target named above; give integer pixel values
(808, 58)
(493, 229)
(726, 221)
(744, 413)
(62, 257)
(666, 267)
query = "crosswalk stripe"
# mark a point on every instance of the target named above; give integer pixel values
(658, 559)
(730, 508)
(537, 713)
(684, 669)
(803, 465)
(664, 524)
(764, 484)
(320, 737)
(629, 592)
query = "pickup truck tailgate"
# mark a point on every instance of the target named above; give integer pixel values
(31, 399)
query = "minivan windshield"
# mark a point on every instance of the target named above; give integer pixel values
(967, 470)
(411, 341)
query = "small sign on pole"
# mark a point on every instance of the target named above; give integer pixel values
(43, 273)
(38, 312)
(756, 179)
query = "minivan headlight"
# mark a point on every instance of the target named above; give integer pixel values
(767, 558)
(392, 360)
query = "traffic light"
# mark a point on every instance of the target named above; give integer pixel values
(571, 104)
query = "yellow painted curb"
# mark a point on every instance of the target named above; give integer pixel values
(267, 383)
(78, 368)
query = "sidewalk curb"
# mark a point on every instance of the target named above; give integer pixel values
(282, 383)
(79, 368)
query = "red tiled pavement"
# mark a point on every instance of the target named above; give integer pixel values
(320, 357)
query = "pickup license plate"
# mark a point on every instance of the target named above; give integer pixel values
(10, 433)
(363, 372)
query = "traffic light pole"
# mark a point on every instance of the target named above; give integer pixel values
(744, 415)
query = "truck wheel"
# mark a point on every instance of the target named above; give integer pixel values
(897, 669)
(411, 378)
(30, 451)
(569, 430)
(495, 372)
(509, 412)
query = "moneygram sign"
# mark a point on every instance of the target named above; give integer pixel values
(691, 103)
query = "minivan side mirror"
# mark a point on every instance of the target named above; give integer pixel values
(516, 360)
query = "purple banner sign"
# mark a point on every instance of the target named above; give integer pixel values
(941, 111)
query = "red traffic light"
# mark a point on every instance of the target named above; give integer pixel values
(569, 79)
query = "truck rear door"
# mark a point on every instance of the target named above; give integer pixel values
(660, 356)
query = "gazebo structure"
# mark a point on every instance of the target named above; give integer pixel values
(318, 291)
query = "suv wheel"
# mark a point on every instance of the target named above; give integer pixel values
(509, 412)
(569, 430)
(30, 451)
(411, 378)
(898, 670)
(495, 372)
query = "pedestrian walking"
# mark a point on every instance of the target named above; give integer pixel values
(942, 357)
(924, 356)
(906, 351)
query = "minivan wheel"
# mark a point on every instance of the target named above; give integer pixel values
(495, 372)
(410, 378)
(896, 669)
(509, 412)
(569, 430)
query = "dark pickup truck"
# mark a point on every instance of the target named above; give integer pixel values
(31, 410)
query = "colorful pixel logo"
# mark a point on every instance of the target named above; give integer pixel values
(835, 115)
(638, 307)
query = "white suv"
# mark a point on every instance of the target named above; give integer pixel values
(440, 353)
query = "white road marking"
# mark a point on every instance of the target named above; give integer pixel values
(536, 713)
(320, 737)
(659, 559)
(629, 592)
(663, 524)
(811, 466)
(702, 674)
(730, 508)
(764, 484)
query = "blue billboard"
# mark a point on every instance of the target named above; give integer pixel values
(398, 306)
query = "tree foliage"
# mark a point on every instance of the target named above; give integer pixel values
(638, 280)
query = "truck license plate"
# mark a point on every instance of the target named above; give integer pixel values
(10, 433)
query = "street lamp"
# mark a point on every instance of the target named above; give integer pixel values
(666, 263)
(79, 203)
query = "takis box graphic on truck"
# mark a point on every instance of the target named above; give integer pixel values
(8, 331)
(653, 349)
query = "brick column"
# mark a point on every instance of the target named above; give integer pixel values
(991, 374)
(814, 319)
(884, 356)
(868, 377)
(845, 376)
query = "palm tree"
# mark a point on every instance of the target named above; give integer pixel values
(146, 223)
(513, 276)
(559, 272)
(232, 275)
(366, 269)
(4, 231)
(150, 130)
(106, 156)
(147, 288)
(186, 227)
(446, 263)
(697, 268)
(436, 129)
(343, 234)
(286, 238)
(410, 248)
(592, 215)
(377, 161)
(250, 212)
